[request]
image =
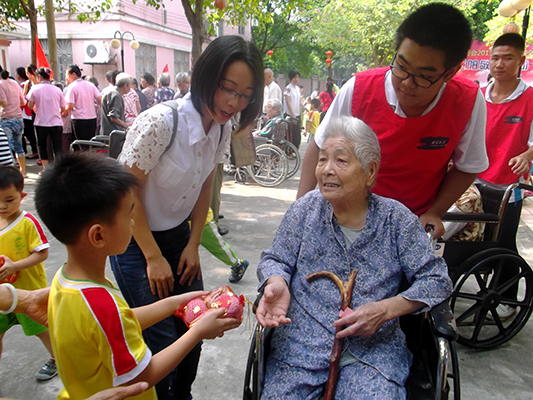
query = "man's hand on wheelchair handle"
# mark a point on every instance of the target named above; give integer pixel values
(274, 304)
(434, 220)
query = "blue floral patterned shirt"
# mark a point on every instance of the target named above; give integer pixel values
(392, 245)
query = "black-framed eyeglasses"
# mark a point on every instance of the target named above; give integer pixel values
(232, 93)
(418, 80)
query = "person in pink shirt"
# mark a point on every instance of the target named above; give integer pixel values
(49, 104)
(81, 96)
(11, 100)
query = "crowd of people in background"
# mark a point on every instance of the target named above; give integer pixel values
(41, 116)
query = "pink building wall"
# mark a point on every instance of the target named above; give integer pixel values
(167, 29)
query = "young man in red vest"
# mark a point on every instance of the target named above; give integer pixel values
(423, 116)
(509, 140)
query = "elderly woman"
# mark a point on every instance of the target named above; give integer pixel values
(339, 228)
(274, 113)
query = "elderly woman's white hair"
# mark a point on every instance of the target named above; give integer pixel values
(363, 139)
(122, 79)
(275, 103)
(164, 79)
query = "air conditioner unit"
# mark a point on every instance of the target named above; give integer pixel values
(96, 52)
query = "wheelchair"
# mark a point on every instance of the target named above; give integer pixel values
(430, 338)
(110, 145)
(276, 157)
(477, 270)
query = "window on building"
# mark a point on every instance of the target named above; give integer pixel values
(145, 60)
(220, 31)
(241, 29)
(181, 61)
(64, 55)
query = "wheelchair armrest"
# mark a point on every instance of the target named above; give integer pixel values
(442, 321)
(472, 217)
(90, 143)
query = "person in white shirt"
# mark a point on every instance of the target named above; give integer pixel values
(291, 107)
(175, 180)
(272, 89)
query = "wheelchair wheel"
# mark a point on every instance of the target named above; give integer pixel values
(479, 288)
(270, 166)
(293, 157)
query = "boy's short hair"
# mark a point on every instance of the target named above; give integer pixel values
(80, 189)
(10, 175)
(511, 39)
(315, 102)
(440, 26)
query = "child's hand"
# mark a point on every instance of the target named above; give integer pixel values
(213, 324)
(8, 267)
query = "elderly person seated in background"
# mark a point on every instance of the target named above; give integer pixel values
(272, 117)
(339, 228)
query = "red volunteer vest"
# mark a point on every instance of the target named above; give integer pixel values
(508, 127)
(414, 151)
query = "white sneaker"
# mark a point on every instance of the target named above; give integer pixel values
(504, 312)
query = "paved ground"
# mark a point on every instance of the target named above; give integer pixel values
(252, 214)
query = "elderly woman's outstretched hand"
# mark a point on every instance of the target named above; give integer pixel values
(274, 304)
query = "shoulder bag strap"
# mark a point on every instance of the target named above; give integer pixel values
(173, 104)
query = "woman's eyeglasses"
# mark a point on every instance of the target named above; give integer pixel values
(232, 93)
(418, 80)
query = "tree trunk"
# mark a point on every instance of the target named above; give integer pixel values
(195, 19)
(32, 17)
(52, 41)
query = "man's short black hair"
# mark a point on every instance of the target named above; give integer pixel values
(73, 68)
(10, 175)
(511, 39)
(212, 65)
(4, 74)
(80, 189)
(111, 76)
(292, 74)
(440, 26)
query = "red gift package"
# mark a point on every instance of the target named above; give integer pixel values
(221, 297)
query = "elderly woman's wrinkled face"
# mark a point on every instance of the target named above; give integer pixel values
(271, 111)
(341, 178)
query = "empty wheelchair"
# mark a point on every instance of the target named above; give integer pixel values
(484, 273)
(430, 338)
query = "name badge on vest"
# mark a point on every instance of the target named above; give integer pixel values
(512, 119)
(433, 143)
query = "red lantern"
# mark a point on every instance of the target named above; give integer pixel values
(511, 27)
(270, 52)
(221, 4)
(328, 62)
(329, 53)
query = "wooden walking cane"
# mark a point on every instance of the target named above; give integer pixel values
(346, 292)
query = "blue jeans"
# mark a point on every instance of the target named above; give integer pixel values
(130, 272)
(13, 128)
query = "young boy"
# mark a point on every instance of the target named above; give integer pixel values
(87, 201)
(23, 249)
(314, 119)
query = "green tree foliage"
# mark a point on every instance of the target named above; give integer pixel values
(364, 29)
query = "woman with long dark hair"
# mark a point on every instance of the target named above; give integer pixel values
(27, 115)
(175, 172)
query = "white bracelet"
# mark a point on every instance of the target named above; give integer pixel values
(15, 298)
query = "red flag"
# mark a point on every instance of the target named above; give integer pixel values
(41, 57)
(165, 69)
